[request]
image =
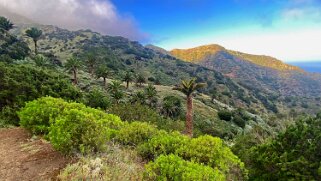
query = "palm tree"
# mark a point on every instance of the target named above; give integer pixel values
(139, 97)
(91, 61)
(128, 78)
(115, 90)
(73, 64)
(103, 72)
(151, 95)
(188, 87)
(172, 106)
(140, 79)
(5, 24)
(35, 34)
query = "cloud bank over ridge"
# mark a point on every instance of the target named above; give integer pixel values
(98, 15)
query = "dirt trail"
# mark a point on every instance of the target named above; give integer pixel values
(23, 158)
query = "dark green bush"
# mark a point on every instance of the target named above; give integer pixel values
(293, 155)
(22, 83)
(172, 167)
(136, 133)
(225, 115)
(162, 144)
(97, 99)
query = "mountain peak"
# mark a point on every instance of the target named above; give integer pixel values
(199, 54)
(196, 54)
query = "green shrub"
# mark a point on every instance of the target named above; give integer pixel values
(225, 115)
(172, 167)
(292, 155)
(22, 83)
(136, 133)
(97, 99)
(36, 115)
(79, 130)
(138, 112)
(162, 144)
(213, 152)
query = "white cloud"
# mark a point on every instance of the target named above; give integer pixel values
(98, 15)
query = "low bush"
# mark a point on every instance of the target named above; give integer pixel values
(70, 126)
(172, 167)
(97, 99)
(162, 144)
(36, 115)
(136, 133)
(225, 115)
(213, 152)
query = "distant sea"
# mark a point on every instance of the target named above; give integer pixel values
(308, 66)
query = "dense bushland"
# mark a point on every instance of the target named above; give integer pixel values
(73, 127)
(293, 155)
(22, 83)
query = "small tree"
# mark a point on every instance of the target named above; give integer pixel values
(91, 62)
(5, 24)
(35, 34)
(73, 64)
(128, 78)
(139, 97)
(103, 72)
(151, 95)
(115, 90)
(188, 87)
(140, 79)
(172, 106)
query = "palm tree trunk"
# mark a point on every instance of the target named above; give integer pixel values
(127, 82)
(36, 51)
(75, 76)
(189, 116)
(105, 84)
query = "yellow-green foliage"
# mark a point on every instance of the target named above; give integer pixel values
(71, 127)
(136, 133)
(213, 152)
(197, 54)
(164, 143)
(35, 116)
(172, 167)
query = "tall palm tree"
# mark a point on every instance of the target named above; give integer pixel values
(188, 87)
(73, 64)
(104, 72)
(35, 34)
(128, 78)
(5, 24)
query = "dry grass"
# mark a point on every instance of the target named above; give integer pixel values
(118, 163)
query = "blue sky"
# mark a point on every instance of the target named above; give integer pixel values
(287, 29)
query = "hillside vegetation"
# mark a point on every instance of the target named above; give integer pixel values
(128, 112)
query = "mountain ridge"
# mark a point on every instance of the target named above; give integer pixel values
(198, 54)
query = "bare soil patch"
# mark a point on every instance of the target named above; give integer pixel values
(25, 158)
